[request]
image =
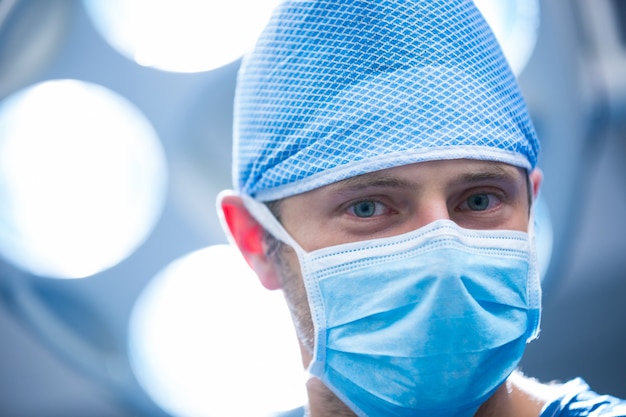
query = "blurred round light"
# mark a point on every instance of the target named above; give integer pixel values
(180, 35)
(515, 24)
(206, 339)
(82, 178)
(544, 234)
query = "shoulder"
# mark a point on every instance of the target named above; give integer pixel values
(576, 399)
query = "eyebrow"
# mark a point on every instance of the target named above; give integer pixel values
(374, 179)
(381, 179)
(489, 173)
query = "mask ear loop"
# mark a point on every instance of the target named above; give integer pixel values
(266, 218)
(261, 214)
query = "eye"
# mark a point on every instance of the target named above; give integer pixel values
(367, 208)
(480, 202)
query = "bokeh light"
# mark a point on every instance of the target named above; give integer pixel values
(180, 35)
(544, 234)
(515, 23)
(206, 339)
(82, 178)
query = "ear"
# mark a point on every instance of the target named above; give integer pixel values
(249, 236)
(536, 178)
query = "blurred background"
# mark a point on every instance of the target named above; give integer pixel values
(118, 295)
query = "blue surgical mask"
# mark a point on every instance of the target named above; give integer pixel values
(427, 323)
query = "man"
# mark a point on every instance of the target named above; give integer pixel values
(385, 169)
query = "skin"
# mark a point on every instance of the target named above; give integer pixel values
(474, 194)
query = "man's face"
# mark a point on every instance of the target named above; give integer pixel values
(474, 194)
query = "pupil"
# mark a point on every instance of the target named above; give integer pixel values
(479, 202)
(364, 209)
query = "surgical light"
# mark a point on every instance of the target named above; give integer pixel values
(180, 35)
(515, 24)
(207, 340)
(82, 178)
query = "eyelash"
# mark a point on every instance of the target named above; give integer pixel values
(464, 206)
(377, 209)
(495, 200)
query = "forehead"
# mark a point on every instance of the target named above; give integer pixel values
(428, 174)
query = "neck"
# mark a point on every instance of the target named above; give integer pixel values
(323, 403)
(519, 396)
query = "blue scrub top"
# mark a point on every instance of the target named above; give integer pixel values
(575, 400)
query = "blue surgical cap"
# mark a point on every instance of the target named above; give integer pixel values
(335, 89)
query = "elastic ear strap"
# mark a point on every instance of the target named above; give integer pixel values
(266, 218)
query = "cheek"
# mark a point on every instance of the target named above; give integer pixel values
(519, 219)
(293, 289)
(521, 226)
(314, 234)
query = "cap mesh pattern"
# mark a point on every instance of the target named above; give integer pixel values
(335, 89)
